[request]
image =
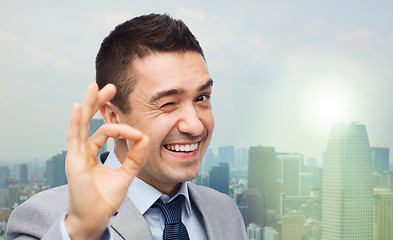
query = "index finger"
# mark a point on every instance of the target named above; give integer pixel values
(106, 131)
(94, 99)
(135, 158)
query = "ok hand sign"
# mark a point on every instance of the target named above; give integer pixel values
(97, 191)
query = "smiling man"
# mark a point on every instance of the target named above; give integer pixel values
(170, 103)
(153, 90)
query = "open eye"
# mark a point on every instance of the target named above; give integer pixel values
(202, 98)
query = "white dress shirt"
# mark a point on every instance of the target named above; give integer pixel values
(144, 195)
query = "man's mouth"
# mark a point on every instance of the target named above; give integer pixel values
(181, 147)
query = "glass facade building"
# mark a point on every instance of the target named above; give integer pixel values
(347, 185)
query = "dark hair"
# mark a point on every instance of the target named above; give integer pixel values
(139, 37)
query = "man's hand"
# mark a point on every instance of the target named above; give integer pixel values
(97, 191)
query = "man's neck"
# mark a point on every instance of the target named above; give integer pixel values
(121, 149)
(169, 189)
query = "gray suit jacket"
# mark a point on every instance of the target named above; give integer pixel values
(39, 217)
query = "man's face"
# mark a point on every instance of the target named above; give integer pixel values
(171, 104)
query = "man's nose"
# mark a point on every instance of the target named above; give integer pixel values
(190, 122)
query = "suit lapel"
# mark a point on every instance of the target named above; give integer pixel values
(129, 223)
(205, 209)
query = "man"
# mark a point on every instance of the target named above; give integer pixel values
(162, 122)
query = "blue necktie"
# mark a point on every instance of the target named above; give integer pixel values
(174, 228)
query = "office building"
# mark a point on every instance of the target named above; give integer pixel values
(262, 165)
(293, 226)
(270, 234)
(383, 180)
(4, 174)
(312, 162)
(305, 183)
(202, 179)
(254, 232)
(313, 230)
(209, 160)
(55, 170)
(219, 178)
(13, 196)
(3, 197)
(383, 214)
(317, 177)
(226, 154)
(347, 185)
(243, 208)
(253, 205)
(380, 159)
(23, 174)
(241, 158)
(289, 171)
(308, 205)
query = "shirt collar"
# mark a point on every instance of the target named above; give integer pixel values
(144, 195)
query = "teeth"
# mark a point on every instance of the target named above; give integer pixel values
(182, 148)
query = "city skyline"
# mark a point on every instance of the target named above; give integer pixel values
(278, 194)
(307, 161)
(283, 71)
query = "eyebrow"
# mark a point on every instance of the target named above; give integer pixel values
(208, 84)
(178, 91)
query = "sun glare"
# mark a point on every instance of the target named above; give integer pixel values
(327, 104)
(331, 107)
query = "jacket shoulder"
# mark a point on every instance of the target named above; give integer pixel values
(209, 194)
(35, 216)
(221, 215)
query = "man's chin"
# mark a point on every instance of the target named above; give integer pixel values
(185, 176)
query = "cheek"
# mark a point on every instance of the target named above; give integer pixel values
(212, 122)
(208, 121)
(160, 127)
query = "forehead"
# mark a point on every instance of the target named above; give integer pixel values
(158, 71)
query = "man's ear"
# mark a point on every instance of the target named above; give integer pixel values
(110, 113)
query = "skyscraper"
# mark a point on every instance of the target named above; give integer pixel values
(289, 172)
(55, 170)
(347, 185)
(293, 226)
(313, 230)
(253, 204)
(241, 158)
(13, 196)
(23, 174)
(383, 214)
(262, 164)
(383, 180)
(380, 159)
(227, 154)
(4, 174)
(3, 197)
(243, 207)
(270, 233)
(254, 232)
(219, 178)
(209, 160)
